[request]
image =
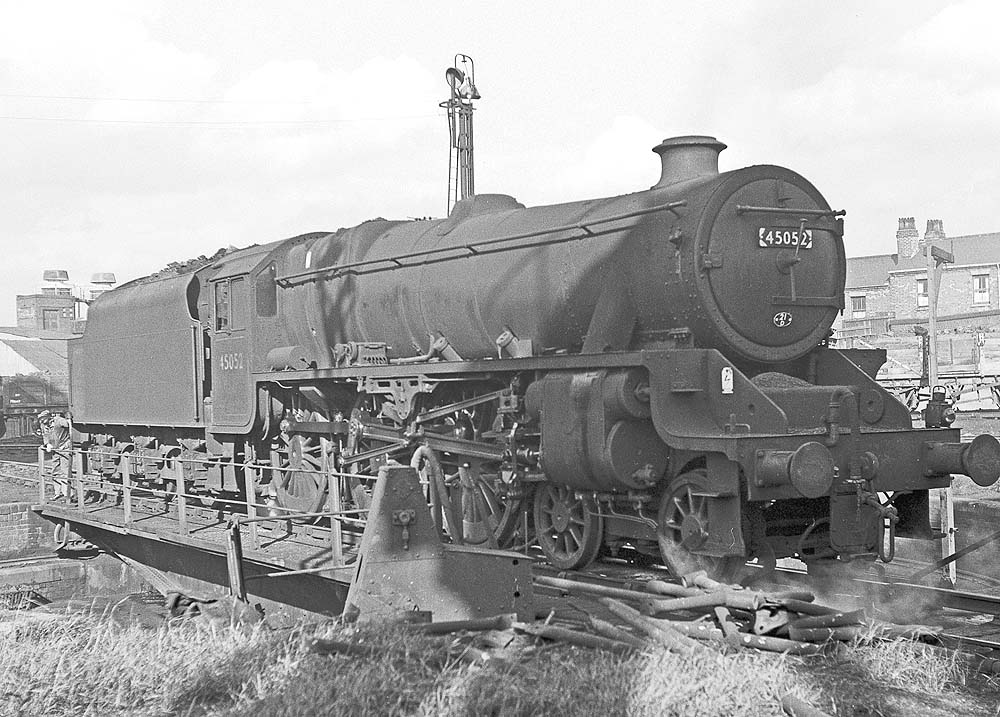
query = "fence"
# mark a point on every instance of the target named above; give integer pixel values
(79, 486)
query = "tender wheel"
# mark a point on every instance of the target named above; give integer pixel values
(682, 526)
(570, 530)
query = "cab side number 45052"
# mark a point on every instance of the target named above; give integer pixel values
(231, 361)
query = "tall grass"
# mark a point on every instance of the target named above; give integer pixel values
(86, 665)
(83, 665)
(910, 665)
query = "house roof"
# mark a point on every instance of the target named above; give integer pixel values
(47, 356)
(867, 271)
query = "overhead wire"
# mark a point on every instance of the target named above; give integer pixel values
(215, 123)
(179, 100)
(236, 123)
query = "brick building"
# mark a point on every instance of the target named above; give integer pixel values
(47, 313)
(887, 293)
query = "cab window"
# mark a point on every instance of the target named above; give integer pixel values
(238, 308)
(267, 292)
(222, 306)
(232, 309)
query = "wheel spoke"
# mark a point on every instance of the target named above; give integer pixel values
(581, 536)
(682, 501)
(489, 498)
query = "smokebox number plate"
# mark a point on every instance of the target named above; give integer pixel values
(784, 237)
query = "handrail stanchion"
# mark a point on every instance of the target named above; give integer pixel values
(181, 489)
(234, 560)
(75, 464)
(126, 487)
(41, 474)
(249, 486)
(333, 504)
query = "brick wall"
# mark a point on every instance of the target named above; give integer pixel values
(878, 308)
(955, 296)
(52, 580)
(23, 534)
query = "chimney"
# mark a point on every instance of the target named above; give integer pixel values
(907, 238)
(934, 233)
(688, 157)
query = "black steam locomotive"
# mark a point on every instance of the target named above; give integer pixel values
(649, 370)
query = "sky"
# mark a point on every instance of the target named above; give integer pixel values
(138, 133)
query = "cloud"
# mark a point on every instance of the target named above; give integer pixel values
(329, 116)
(99, 49)
(335, 113)
(958, 43)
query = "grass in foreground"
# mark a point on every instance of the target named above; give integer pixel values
(82, 665)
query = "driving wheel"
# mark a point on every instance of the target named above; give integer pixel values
(490, 507)
(569, 528)
(683, 527)
(300, 485)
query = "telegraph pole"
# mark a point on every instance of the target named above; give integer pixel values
(936, 259)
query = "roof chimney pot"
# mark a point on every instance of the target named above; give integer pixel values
(907, 237)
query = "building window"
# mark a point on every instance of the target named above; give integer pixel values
(50, 319)
(858, 307)
(922, 300)
(980, 288)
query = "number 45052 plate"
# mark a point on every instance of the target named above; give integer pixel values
(784, 237)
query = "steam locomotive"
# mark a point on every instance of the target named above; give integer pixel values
(648, 371)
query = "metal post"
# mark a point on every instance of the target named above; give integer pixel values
(41, 474)
(936, 257)
(234, 560)
(126, 488)
(334, 504)
(181, 489)
(249, 486)
(948, 528)
(76, 467)
(460, 109)
(932, 296)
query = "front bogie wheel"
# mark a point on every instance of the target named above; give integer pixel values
(569, 526)
(683, 528)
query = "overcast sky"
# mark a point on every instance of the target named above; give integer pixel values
(139, 133)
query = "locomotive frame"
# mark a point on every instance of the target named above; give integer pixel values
(606, 380)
